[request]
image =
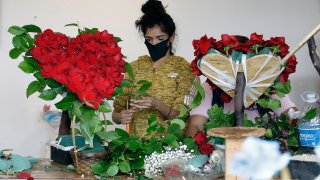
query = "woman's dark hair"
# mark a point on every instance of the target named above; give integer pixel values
(155, 14)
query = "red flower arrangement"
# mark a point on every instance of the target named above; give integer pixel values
(90, 65)
(252, 46)
(85, 69)
(201, 139)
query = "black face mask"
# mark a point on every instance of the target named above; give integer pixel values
(157, 51)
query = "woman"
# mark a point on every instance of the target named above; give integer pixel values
(170, 75)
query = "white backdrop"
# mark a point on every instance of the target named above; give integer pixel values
(21, 127)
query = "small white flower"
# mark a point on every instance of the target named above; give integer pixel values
(173, 75)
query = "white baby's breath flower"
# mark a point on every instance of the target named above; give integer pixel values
(154, 162)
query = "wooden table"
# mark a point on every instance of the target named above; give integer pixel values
(47, 169)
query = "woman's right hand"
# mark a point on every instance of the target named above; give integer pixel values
(126, 116)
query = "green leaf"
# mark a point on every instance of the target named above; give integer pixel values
(171, 140)
(121, 132)
(48, 94)
(160, 129)
(28, 39)
(280, 93)
(312, 113)
(110, 135)
(31, 28)
(293, 142)
(26, 67)
(99, 168)
(72, 24)
(125, 83)
(89, 127)
(15, 53)
(129, 71)
(52, 83)
(105, 107)
(248, 123)
(20, 163)
(180, 122)
(67, 102)
(20, 43)
(137, 164)
(124, 166)
(144, 87)
(112, 170)
(133, 145)
(16, 30)
(269, 103)
(40, 78)
(33, 87)
(117, 39)
(189, 142)
(199, 96)
(32, 62)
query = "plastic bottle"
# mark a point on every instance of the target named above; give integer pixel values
(309, 126)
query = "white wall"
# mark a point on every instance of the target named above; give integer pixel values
(21, 127)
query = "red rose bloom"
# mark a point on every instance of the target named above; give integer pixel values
(206, 149)
(200, 138)
(23, 175)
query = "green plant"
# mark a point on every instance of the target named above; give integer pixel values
(277, 128)
(128, 152)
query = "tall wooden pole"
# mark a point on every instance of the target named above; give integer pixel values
(239, 97)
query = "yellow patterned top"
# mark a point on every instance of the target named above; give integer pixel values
(171, 81)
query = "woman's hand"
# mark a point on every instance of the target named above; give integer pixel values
(126, 116)
(145, 103)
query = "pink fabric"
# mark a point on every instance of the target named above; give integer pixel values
(202, 109)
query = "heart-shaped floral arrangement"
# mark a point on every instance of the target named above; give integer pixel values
(90, 65)
(259, 59)
(84, 69)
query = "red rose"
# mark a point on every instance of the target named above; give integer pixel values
(194, 67)
(231, 41)
(206, 149)
(200, 138)
(290, 67)
(23, 175)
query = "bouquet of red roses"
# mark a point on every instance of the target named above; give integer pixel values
(84, 69)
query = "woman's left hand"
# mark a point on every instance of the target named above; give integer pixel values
(147, 102)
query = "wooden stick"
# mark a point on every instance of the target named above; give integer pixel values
(301, 43)
(239, 96)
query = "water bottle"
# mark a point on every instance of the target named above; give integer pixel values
(309, 122)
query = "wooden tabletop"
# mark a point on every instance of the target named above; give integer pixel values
(47, 169)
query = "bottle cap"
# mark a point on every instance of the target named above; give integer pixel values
(309, 96)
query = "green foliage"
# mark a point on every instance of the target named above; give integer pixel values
(217, 118)
(281, 130)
